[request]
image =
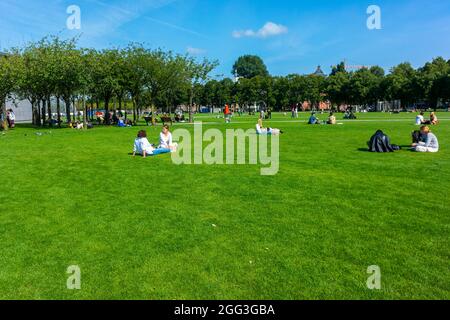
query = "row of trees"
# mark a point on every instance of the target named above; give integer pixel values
(365, 87)
(54, 69)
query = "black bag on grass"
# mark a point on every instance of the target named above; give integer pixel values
(380, 142)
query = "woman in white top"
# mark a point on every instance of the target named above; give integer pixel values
(420, 120)
(165, 139)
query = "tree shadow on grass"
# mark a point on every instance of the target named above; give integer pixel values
(403, 148)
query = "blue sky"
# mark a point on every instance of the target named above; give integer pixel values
(292, 36)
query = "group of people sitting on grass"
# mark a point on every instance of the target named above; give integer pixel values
(123, 123)
(420, 119)
(143, 147)
(313, 119)
(423, 141)
(78, 125)
(349, 115)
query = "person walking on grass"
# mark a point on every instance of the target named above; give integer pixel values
(227, 114)
(431, 143)
(294, 112)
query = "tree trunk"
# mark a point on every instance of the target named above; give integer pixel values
(134, 111)
(43, 112)
(67, 102)
(97, 108)
(49, 110)
(33, 112)
(107, 119)
(125, 109)
(84, 113)
(3, 120)
(38, 113)
(75, 115)
(58, 110)
(153, 115)
(191, 99)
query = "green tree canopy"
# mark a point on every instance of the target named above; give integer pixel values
(249, 66)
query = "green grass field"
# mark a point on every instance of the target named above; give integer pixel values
(148, 229)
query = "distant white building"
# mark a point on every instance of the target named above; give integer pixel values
(21, 108)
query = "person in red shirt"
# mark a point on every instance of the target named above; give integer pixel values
(227, 114)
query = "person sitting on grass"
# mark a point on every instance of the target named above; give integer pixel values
(11, 118)
(431, 143)
(165, 139)
(76, 125)
(434, 119)
(331, 119)
(420, 119)
(313, 119)
(349, 115)
(260, 130)
(144, 148)
(115, 119)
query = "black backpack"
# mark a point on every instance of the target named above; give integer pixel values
(381, 143)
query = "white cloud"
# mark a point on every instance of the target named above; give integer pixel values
(195, 51)
(270, 29)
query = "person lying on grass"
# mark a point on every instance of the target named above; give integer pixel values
(260, 130)
(144, 148)
(165, 139)
(431, 143)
